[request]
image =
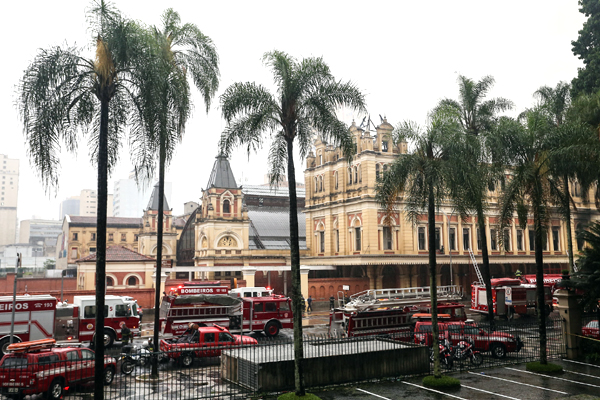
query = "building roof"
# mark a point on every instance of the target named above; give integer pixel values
(271, 228)
(266, 190)
(221, 175)
(110, 221)
(118, 254)
(153, 203)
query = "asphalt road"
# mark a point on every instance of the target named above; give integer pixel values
(509, 382)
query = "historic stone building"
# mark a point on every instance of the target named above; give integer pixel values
(228, 238)
(347, 229)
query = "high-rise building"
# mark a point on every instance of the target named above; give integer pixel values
(85, 205)
(130, 199)
(9, 179)
(42, 233)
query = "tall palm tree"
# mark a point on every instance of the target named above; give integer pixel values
(474, 170)
(419, 181)
(63, 92)
(181, 51)
(307, 99)
(528, 150)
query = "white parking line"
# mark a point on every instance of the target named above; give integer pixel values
(433, 390)
(519, 383)
(579, 362)
(485, 391)
(553, 377)
(579, 373)
(373, 394)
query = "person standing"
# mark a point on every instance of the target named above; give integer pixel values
(309, 301)
(126, 334)
(331, 302)
(140, 313)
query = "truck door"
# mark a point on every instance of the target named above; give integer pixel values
(500, 302)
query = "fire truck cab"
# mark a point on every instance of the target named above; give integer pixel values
(509, 296)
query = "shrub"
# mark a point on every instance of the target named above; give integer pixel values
(537, 367)
(445, 382)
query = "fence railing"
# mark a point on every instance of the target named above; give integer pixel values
(240, 372)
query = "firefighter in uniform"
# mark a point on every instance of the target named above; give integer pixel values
(126, 334)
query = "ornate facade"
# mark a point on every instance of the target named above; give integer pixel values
(346, 228)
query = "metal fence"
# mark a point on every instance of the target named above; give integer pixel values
(251, 371)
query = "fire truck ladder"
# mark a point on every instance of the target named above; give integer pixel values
(379, 298)
(475, 266)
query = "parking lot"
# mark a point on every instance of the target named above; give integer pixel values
(509, 382)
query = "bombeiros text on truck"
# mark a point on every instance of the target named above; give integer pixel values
(208, 303)
(43, 317)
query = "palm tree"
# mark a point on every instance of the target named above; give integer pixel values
(307, 99)
(555, 103)
(528, 150)
(62, 92)
(474, 172)
(181, 50)
(419, 180)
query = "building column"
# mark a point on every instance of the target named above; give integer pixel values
(304, 281)
(371, 274)
(248, 275)
(570, 311)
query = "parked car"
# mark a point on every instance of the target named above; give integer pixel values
(206, 341)
(40, 367)
(591, 330)
(498, 343)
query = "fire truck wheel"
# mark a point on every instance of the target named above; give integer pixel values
(109, 338)
(109, 375)
(272, 329)
(498, 350)
(186, 360)
(4, 344)
(55, 391)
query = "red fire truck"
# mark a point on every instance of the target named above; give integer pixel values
(509, 296)
(43, 317)
(549, 279)
(207, 305)
(389, 311)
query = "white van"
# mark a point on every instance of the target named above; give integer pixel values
(251, 292)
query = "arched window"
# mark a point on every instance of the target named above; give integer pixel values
(110, 281)
(377, 171)
(132, 281)
(226, 207)
(349, 175)
(355, 174)
(384, 145)
(316, 184)
(335, 174)
(360, 173)
(321, 183)
(320, 159)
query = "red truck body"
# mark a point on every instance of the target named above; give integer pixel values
(206, 305)
(208, 341)
(509, 296)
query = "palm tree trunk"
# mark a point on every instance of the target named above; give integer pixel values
(101, 248)
(432, 282)
(539, 276)
(568, 222)
(296, 283)
(486, 265)
(159, 245)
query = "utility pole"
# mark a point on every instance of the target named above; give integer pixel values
(12, 316)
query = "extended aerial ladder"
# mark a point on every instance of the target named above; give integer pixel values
(381, 298)
(476, 267)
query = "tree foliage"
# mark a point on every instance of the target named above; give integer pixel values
(587, 49)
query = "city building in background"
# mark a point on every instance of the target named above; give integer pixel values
(41, 232)
(9, 193)
(84, 205)
(130, 199)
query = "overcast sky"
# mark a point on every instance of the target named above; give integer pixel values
(404, 55)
